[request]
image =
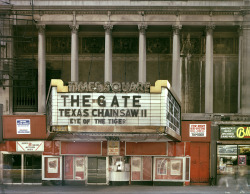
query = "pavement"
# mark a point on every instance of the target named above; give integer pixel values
(89, 189)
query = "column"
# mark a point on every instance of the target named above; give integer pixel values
(176, 65)
(209, 70)
(108, 53)
(142, 53)
(41, 70)
(74, 52)
(239, 68)
(245, 80)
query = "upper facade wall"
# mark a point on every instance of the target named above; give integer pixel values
(131, 3)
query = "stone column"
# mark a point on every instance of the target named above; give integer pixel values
(108, 53)
(245, 80)
(239, 68)
(142, 53)
(41, 69)
(176, 65)
(209, 70)
(74, 52)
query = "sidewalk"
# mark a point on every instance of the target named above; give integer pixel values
(32, 189)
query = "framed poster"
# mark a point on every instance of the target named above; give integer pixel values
(242, 160)
(79, 164)
(162, 166)
(175, 166)
(52, 165)
(113, 148)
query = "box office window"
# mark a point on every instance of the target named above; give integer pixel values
(232, 159)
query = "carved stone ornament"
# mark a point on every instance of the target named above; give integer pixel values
(74, 28)
(108, 28)
(142, 28)
(41, 28)
(210, 28)
(176, 29)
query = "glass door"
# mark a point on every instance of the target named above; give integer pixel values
(32, 168)
(12, 168)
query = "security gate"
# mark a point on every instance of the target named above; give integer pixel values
(96, 170)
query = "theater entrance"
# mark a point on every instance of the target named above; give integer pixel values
(97, 170)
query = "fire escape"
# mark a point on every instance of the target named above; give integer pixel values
(18, 70)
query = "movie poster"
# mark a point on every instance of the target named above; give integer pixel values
(175, 167)
(52, 165)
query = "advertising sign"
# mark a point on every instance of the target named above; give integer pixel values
(234, 132)
(121, 109)
(197, 130)
(30, 146)
(23, 126)
(113, 148)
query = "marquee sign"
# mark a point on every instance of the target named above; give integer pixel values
(109, 109)
(235, 132)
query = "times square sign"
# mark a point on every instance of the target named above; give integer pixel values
(109, 104)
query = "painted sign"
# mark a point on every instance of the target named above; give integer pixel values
(197, 130)
(23, 126)
(123, 109)
(235, 132)
(30, 146)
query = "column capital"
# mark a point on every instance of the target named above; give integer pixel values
(108, 28)
(142, 28)
(210, 28)
(74, 28)
(41, 28)
(176, 29)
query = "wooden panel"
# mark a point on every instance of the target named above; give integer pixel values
(199, 163)
(104, 148)
(147, 168)
(179, 148)
(185, 131)
(171, 148)
(37, 127)
(52, 147)
(187, 148)
(122, 148)
(146, 148)
(81, 148)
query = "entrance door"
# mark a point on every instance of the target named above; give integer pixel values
(32, 168)
(22, 168)
(199, 173)
(96, 170)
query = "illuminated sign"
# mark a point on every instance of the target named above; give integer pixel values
(235, 132)
(113, 109)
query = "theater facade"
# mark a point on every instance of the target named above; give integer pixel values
(83, 96)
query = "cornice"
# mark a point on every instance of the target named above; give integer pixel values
(134, 11)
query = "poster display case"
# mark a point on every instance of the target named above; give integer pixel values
(171, 169)
(52, 168)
